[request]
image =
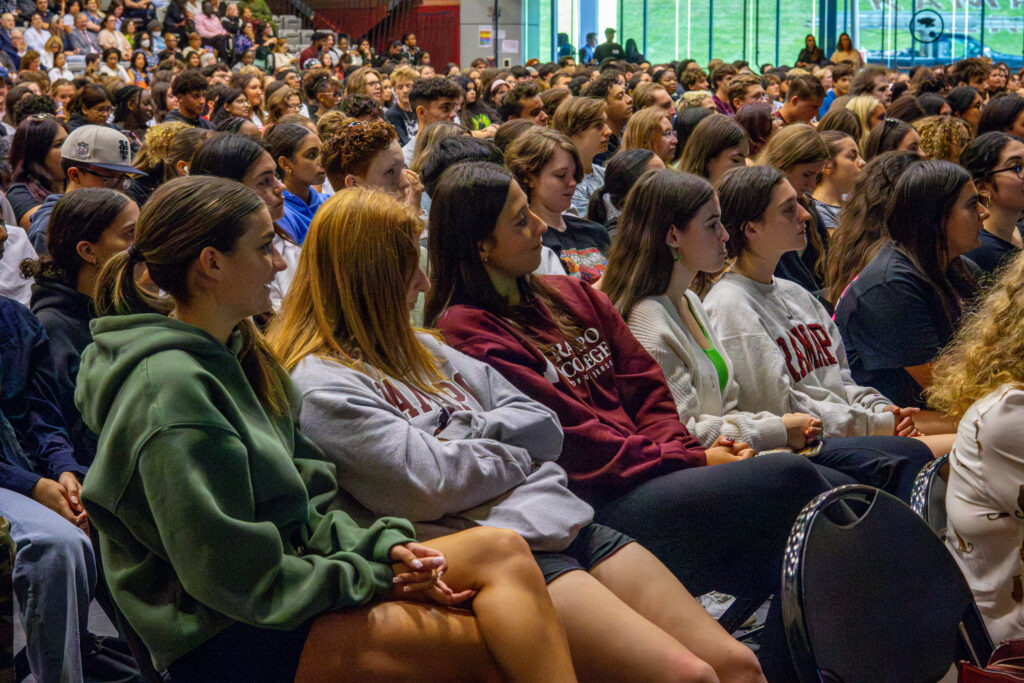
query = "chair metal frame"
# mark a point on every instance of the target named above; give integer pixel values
(970, 640)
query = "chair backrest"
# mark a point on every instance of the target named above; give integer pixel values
(928, 497)
(869, 593)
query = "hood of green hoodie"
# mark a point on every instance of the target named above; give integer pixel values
(122, 342)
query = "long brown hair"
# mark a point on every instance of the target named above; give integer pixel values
(640, 263)
(347, 301)
(181, 218)
(799, 144)
(861, 231)
(463, 212)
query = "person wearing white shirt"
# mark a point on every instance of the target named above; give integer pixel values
(977, 380)
(37, 34)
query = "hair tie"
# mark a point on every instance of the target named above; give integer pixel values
(134, 255)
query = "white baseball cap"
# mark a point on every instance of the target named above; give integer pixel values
(101, 147)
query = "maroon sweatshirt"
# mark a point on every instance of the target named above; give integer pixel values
(620, 422)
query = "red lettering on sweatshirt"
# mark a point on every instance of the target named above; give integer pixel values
(810, 345)
(413, 402)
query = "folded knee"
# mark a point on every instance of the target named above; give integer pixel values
(689, 669)
(741, 667)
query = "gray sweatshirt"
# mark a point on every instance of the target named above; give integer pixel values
(789, 358)
(479, 452)
(707, 411)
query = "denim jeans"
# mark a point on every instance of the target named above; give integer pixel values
(54, 579)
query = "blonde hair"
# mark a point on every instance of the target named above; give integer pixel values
(428, 139)
(403, 73)
(692, 98)
(943, 137)
(643, 129)
(157, 145)
(863, 106)
(347, 302)
(988, 349)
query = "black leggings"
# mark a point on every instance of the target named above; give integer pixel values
(724, 528)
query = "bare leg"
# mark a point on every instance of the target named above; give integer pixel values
(512, 607)
(610, 641)
(647, 586)
(940, 444)
(393, 641)
(931, 422)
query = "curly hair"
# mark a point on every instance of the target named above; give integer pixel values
(987, 350)
(943, 137)
(353, 146)
(358, 105)
(157, 143)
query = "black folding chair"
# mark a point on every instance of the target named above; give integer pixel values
(928, 497)
(928, 500)
(869, 593)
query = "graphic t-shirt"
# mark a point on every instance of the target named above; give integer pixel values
(582, 247)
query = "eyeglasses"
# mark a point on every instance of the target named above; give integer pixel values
(111, 182)
(984, 199)
(1017, 168)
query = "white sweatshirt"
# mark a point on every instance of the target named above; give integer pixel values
(789, 356)
(703, 407)
(478, 452)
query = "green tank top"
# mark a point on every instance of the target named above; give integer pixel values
(712, 353)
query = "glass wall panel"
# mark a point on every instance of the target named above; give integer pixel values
(773, 31)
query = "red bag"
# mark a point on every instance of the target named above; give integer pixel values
(1005, 664)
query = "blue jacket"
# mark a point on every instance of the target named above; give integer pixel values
(298, 215)
(33, 436)
(39, 223)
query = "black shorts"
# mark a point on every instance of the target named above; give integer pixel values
(244, 653)
(594, 543)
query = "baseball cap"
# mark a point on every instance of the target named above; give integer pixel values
(101, 147)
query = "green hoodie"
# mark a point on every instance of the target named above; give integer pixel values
(209, 510)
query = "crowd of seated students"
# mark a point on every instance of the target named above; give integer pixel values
(355, 369)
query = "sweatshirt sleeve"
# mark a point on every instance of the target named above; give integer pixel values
(655, 332)
(196, 480)
(641, 384)
(509, 416)
(46, 438)
(390, 465)
(765, 383)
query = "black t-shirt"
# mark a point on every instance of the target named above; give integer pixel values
(891, 318)
(21, 200)
(405, 123)
(175, 115)
(582, 248)
(992, 253)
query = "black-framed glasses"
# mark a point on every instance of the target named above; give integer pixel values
(111, 182)
(1017, 168)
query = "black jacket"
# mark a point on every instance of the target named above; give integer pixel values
(65, 314)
